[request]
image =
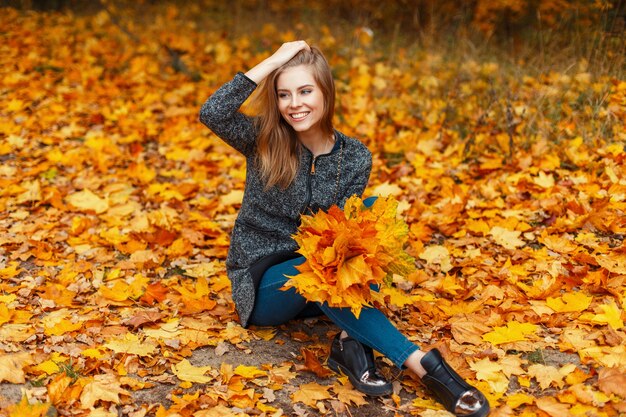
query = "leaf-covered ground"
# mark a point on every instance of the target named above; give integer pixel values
(116, 206)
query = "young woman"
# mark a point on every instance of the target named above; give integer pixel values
(298, 163)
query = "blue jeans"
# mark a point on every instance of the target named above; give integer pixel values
(274, 307)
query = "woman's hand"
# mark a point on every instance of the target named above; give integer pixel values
(287, 51)
(282, 55)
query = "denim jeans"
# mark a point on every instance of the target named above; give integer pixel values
(274, 307)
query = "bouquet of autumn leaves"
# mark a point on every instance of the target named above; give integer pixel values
(351, 254)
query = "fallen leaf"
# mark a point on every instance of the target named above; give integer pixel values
(612, 381)
(311, 393)
(185, 371)
(105, 388)
(546, 375)
(87, 201)
(313, 364)
(512, 332)
(552, 407)
(506, 238)
(12, 367)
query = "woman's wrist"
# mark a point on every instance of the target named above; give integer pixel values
(261, 70)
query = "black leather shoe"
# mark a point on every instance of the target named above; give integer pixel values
(357, 362)
(456, 395)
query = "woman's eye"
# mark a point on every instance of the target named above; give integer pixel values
(283, 95)
(306, 91)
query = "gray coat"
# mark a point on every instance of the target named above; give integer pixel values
(267, 219)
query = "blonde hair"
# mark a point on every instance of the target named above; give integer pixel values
(277, 156)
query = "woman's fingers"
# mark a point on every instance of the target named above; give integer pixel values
(283, 54)
(288, 50)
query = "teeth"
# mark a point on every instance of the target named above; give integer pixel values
(299, 115)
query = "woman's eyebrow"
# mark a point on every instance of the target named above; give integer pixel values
(299, 88)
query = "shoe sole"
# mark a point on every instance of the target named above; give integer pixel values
(365, 389)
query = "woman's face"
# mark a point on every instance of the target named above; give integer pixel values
(300, 99)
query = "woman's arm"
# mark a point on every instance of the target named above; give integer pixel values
(220, 112)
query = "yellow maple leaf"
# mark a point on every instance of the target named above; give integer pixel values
(519, 398)
(569, 302)
(543, 180)
(558, 244)
(311, 393)
(12, 365)
(103, 387)
(386, 189)
(546, 375)
(397, 297)
(348, 395)
(185, 371)
(437, 255)
(11, 270)
(130, 343)
(27, 409)
(512, 332)
(610, 356)
(12, 332)
(51, 366)
(169, 330)
(5, 314)
(506, 238)
(282, 374)
(612, 316)
(86, 200)
(512, 365)
(249, 372)
(119, 292)
(60, 322)
(612, 262)
(491, 372)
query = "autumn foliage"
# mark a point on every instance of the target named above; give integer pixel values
(116, 207)
(351, 253)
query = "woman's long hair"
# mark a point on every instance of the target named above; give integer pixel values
(278, 148)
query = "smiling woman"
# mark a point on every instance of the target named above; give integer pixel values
(295, 104)
(298, 163)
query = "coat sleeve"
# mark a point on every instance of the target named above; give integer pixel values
(221, 114)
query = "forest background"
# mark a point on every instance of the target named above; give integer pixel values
(499, 126)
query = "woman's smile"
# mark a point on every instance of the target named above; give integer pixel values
(299, 116)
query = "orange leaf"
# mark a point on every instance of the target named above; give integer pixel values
(312, 363)
(155, 292)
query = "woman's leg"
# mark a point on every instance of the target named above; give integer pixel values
(274, 307)
(373, 329)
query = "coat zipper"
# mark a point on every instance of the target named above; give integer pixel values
(309, 191)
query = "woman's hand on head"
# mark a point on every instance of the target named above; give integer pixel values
(287, 51)
(282, 55)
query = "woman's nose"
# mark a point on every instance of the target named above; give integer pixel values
(295, 101)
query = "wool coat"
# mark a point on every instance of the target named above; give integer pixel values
(268, 218)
